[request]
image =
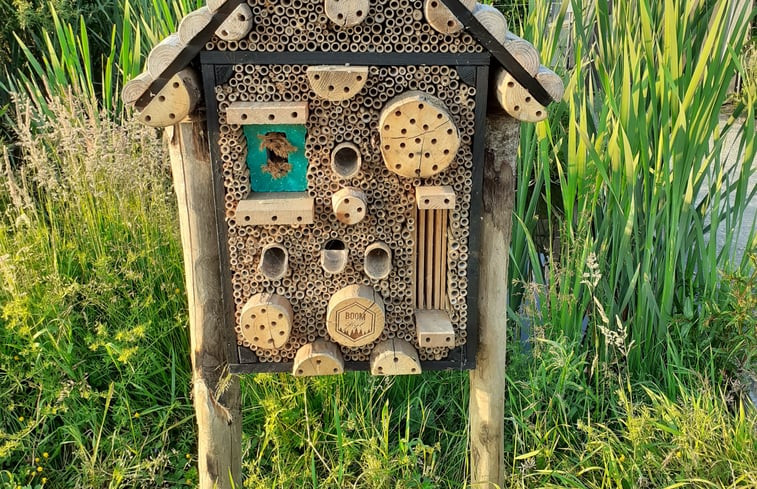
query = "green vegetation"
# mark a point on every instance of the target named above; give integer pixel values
(642, 326)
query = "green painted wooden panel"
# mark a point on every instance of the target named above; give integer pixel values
(276, 164)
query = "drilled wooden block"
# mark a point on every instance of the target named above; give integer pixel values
(267, 113)
(318, 358)
(349, 205)
(337, 82)
(395, 357)
(266, 321)
(437, 197)
(434, 329)
(285, 208)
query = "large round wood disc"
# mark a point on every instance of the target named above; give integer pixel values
(355, 316)
(419, 138)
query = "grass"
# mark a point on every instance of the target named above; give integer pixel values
(641, 328)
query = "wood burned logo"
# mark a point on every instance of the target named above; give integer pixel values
(355, 322)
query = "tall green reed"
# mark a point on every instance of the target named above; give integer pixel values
(641, 171)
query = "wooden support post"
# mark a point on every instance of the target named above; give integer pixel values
(218, 413)
(487, 381)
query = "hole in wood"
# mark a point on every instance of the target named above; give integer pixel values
(346, 160)
(334, 256)
(378, 261)
(273, 262)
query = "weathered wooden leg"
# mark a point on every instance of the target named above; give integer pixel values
(487, 381)
(218, 418)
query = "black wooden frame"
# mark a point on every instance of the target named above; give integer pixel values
(473, 67)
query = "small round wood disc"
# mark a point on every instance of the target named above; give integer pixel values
(347, 13)
(419, 138)
(355, 316)
(266, 321)
(349, 205)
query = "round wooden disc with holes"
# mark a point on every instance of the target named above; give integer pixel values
(349, 205)
(266, 321)
(419, 138)
(441, 19)
(347, 13)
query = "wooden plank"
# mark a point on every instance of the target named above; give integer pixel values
(420, 303)
(355, 316)
(428, 278)
(218, 413)
(435, 197)
(267, 113)
(266, 321)
(434, 329)
(318, 358)
(444, 304)
(439, 265)
(395, 357)
(487, 381)
(333, 82)
(277, 208)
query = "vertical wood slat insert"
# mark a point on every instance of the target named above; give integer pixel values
(430, 255)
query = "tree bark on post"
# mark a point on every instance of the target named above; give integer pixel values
(487, 381)
(217, 409)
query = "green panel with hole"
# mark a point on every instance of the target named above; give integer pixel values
(276, 157)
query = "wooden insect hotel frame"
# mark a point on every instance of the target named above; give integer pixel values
(347, 145)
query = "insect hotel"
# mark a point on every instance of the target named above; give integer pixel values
(346, 141)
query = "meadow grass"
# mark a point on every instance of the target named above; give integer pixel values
(642, 329)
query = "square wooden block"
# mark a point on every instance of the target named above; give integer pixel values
(434, 329)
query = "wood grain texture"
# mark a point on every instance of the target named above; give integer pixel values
(283, 208)
(551, 82)
(434, 328)
(347, 13)
(418, 135)
(266, 321)
(493, 20)
(441, 19)
(163, 55)
(219, 418)
(435, 197)
(487, 381)
(395, 357)
(355, 316)
(175, 101)
(524, 52)
(267, 113)
(237, 25)
(193, 23)
(350, 205)
(318, 358)
(337, 82)
(516, 100)
(135, 87)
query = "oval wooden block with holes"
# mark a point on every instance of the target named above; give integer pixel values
(349, 205)
(237, 25)
(355, 316)
(516, 100)
(419, 138)
(346, 13)
(337, 82)
(441, 19)
(395, 357)
(175, 101)
(318, 358)
(266, 321)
